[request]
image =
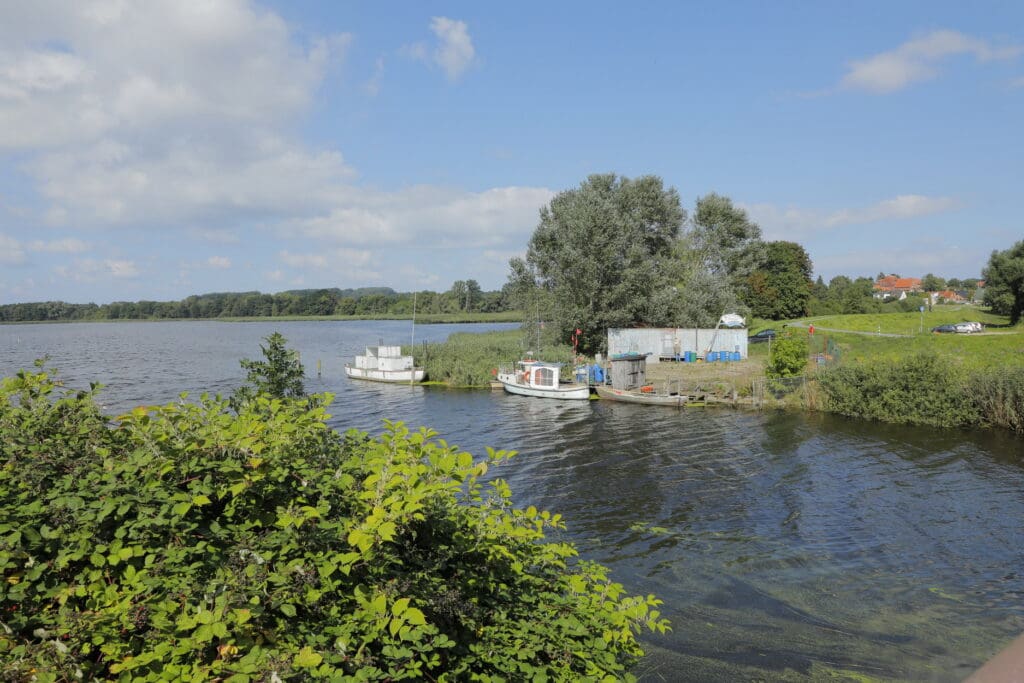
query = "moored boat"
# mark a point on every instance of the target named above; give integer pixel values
(540, 379)
(648, 396)
(385, 364)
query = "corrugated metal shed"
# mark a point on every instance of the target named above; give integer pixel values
(666, 343)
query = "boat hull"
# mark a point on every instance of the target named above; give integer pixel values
(578, 392)
(669, 400)
(387, 376)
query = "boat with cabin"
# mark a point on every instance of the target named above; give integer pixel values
(540, 379)
(385, 364)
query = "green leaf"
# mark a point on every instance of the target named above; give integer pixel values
(307, 659)
(288, 609)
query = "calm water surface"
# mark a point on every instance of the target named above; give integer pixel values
(785, 547)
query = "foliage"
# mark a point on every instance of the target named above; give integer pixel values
(788, 356)
(602, 255)
(781, 287)
(999, 397)
(932, 283)
(376, 302)
(469, 359)
(279, 375)
(1004, 282)
(920, 389)
(727, 241)
(186, 542)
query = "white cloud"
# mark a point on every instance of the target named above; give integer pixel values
(303, 260)
(92, 270)
(432, 216)
(372, 86)
(68, 245)
(330, 258)
(918, 60)
(789, 222)
(455, 53)
(11, 252)
(112, 71)
(221, 262)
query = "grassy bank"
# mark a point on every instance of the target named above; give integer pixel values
(945, 380)
(469, 359)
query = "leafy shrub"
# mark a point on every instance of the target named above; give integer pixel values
(919, 389)
(788, 357)
(190, 542)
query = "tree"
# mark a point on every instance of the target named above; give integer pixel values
(601, 257)
(781, 287)
(1004, 282)
(278, 376)
(727, 242)
(932, 283)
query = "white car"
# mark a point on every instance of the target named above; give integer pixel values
(967, 328)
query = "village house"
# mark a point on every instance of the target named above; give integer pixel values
(895, 287)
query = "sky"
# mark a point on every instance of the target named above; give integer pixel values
(157, 149)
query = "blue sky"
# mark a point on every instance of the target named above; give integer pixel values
(152, 150)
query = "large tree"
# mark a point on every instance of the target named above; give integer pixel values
(781, 287)
(601, 257)
(725, 240)
(1004, 282)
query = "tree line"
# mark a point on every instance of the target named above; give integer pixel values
(465, 296)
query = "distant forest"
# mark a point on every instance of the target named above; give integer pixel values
(465, 296)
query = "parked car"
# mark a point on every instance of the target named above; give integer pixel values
(944, 329)
(762, 336)
(975, 326)
(964, 328)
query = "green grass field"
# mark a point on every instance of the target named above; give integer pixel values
(998, 346)
(908, 323)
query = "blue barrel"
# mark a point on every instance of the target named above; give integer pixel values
(735, 355)
(712, 356)
(691, 356)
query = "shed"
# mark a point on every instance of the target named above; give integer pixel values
(629, 371)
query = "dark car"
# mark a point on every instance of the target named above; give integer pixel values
(944, 329)
(762, 336)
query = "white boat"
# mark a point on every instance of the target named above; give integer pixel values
(384, 364)
(540, 379)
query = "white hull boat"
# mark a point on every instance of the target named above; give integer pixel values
(540, 379)
(385, 364)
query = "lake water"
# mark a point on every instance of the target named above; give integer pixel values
(785, 547)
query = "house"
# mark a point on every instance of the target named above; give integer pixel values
(947, 295)
(896, 287)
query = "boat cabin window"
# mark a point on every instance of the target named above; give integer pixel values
(544, 377)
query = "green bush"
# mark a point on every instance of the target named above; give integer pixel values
(788, 357)
(920, 389)
(189, 542)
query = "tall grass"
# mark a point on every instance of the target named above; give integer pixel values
(469, 359)
(999, 396)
